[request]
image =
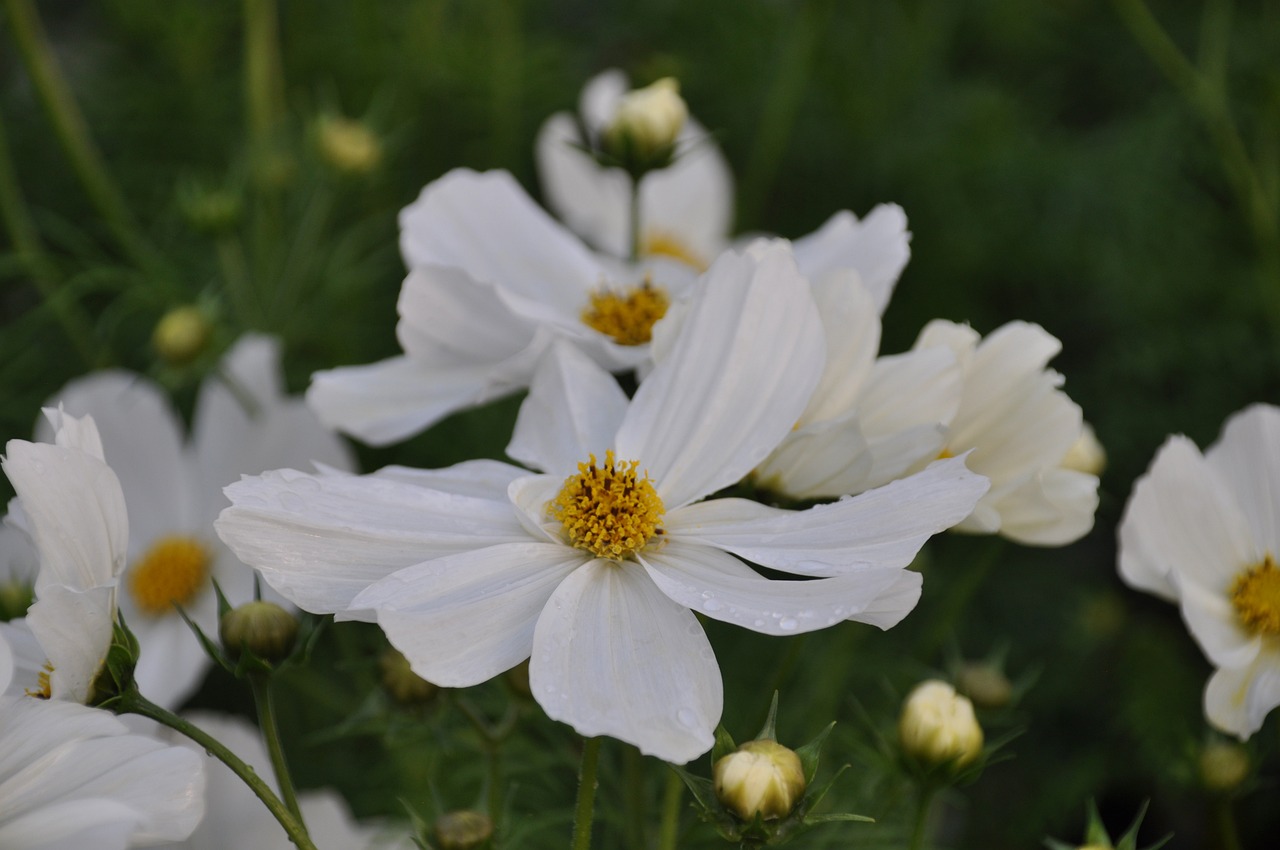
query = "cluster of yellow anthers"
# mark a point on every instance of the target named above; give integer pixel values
(627, 315)
(173, 572)
(1256, 597)
(608, 509)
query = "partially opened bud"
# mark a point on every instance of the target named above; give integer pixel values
(938, 726)
(263, 628)
(182, 334)
(1086, 453)
(347, 145)
(1223, 766)
(464, 830)
(645, 126)
(760, 777)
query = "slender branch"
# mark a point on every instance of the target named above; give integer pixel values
(669, 826)
(634, 221)
(585, 809)
(264, 699)
(920, 829)
(1224, 820)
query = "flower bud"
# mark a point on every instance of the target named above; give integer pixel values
(210, 211)
(1086, 453)
(938, 726)
(399, 680)
(644, 128)
(760, 777)
(181, 335)
(985, 684)
(263, 628)
(463, 830)
(348, 146)
(1223, 766)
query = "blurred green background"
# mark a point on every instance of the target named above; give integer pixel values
(1050, 173)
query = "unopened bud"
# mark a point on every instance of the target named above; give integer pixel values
(645, 126)
(938, 726)
(1086, 453)
(760, 777)
(181, 335)
(1223, 766)
(263, 628)
(985, 684)
(399, 680)
(347, 145)
(209, 211)
(464, 830)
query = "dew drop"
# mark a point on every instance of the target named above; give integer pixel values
(712, 605)
(787, 624)
(758, 623)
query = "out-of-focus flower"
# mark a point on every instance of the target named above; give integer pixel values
(984, 683)
(260, 627)
(347, 145)
(19, 563)
(1202, 531)
(72, 777)
(594, 570)
(938, 726)
(73, 507)
(761, 777)
(236, 818)
(463, 830)
(643, 131)
(1018, 428)
(1086, 454)
(243, 424)
(182, 334)
(1223, 766)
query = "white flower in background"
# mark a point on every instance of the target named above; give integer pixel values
(493, 280)
(1203, 531)
(242, 424)
(1018, 428)
(593, 570)
(236, 818)
(71, 777)
(73, 507)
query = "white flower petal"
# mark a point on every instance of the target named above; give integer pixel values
(481, 479)
(320, 540)
(28, 657)
(691, 203)
(600, 96)
(720, 586)
(1053, 508)
(820, 461)
(851, 327)
(1182, 524)
(465, 618)
(748, 357)
(878, 248)
(449, 318)
(530, 496)
(1247, 457)
(72, 825)
(69, 431)
(884, 527)
(6, 664)
(1237, 700)
(74, 628)
(573, 410)
(614, 656)
(904, 408)
(1215, 625)
(171, 662)
(593, 201)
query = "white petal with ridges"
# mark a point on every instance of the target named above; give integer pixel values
(1215, 625)
(74, 628)
(878, 248)
(1247, 458)
(1238, 699)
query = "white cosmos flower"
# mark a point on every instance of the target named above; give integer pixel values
(71, 777)
(173, 486)
(472, 570)
(1203, 531)
(236, 818)
(686, 211)
(493, 280)
(1018, 428)
(73, 507)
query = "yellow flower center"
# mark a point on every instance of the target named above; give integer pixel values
(608, 509)
(44, 689)
(659, 244)
(1256, 595)
(173, 572)
(627, 315)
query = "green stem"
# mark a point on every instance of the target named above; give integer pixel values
(1224, 820)
(958, 597)
(584, 812)
(634, 220)
(73, 133)
(263, 79)
(133, 702)
(920, 829)
(264, 699)
(636, 799)
(669, 826)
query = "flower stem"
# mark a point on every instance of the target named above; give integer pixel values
(1224, 820)
(133, 702)
(669, 826)
(635, 220)
(264, 699)
(585, 809)
(920, 830)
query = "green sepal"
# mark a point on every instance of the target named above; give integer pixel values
(769, 731)
(211, 647)
(724, 744)
(418, 827)
(116, 676)
(811, 751)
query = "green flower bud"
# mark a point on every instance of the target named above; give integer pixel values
(348, 146)
(399, 680)
(938, 726)
(181, 335)
(262, 628)
(1223, 766)
(464, 830)
(760, 777)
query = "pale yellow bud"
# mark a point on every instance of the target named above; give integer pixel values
(464, 830)
(263, 628)
(181, 334)
(1086, 453)
(1223, 766)
(938, 725)
(399, 680)
(986, 685)
(348, 146)
(647, 121)
(759, 777)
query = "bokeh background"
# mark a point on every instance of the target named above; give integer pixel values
(1051, 172)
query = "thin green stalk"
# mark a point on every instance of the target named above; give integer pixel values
(636, 801)
(920, 828)
(73, 133)
(1224, 821)
(27, 245)
(669, 826)
(263, 78)
(584, 812)
(264, 699)
(134, 703)
(634, 221)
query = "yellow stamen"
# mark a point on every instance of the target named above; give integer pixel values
(608, 509)
(944, 454)
(173, 572)
(627, 316)
(44, 690)
(659, 244)
(1256, 595)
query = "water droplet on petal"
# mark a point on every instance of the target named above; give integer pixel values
(712, 605)
(787, 624)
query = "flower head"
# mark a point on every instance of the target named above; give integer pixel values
(761, 777)
(938, 726)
